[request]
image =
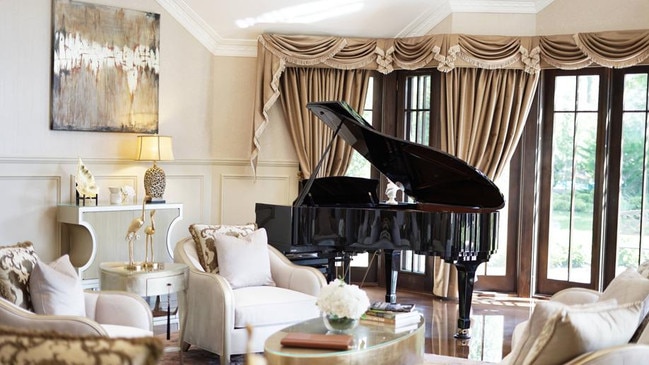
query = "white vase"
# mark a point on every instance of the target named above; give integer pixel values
(115, 195)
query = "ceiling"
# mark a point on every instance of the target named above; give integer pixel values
(233, 30)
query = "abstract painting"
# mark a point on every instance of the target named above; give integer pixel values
(105, 68)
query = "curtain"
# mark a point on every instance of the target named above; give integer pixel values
(442, 51)
(299, 86)
(485, 112)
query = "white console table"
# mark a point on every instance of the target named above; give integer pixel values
(95, 234)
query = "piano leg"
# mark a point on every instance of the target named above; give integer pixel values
(392, 262)
(465, 280)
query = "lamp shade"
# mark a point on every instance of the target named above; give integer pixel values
(154, 148)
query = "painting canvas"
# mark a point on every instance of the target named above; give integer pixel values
(105, 68)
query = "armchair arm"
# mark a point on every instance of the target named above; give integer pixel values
(623, 354)
(209, 303)
(14, 316)
(576, 296)
(288, 275)
(119, 308)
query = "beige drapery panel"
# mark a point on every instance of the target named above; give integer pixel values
(443, 51)
(310, 136)
(485, 112)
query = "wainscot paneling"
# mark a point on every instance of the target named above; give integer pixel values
(240, 193)
(29, 212)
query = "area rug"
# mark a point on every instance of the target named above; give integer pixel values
(194, 356)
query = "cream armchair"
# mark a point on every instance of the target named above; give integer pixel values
(108, 313)
(217, 315)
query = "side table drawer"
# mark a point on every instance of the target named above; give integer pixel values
(158, 286)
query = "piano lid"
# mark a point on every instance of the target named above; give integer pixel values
(428, 175)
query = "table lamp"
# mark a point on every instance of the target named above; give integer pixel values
(154, 148)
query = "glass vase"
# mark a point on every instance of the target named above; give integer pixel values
(339, 324)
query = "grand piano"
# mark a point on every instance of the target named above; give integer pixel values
(452, 210)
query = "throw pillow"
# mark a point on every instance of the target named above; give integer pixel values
(47, 347)
(628, 287)
(203, 235)
(16, 264)
(569, 331)
(244, 261)
(56, 289)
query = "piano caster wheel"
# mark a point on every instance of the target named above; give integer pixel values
(463, 334)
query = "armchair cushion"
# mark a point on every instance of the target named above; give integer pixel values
(557, 332)
(40, 347)
(16, 264)
(268, 305)
(56, 289)
(244, 261)
(203, 235)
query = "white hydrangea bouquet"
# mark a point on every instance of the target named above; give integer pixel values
(342, 304)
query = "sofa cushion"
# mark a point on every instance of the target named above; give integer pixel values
(116, 331)
(16, 265)
(269, 305)
(203, 235)
(56, 288)
(244, 261)
(557, 332)
(45, 347)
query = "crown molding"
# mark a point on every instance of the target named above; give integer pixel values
(498, 6)
(205, 34)
(426, 21)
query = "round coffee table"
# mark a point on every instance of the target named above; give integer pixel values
(375, 344)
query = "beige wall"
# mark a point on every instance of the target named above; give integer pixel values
(205, 104)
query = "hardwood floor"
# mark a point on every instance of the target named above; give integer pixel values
(493, 320)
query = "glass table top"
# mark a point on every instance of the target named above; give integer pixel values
(367, 335)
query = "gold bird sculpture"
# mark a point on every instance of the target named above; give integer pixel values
(131, 235)
(148, 243)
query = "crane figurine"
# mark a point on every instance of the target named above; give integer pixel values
(131, 236)
(149, 231)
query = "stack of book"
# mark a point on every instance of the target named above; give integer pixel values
(399, 317)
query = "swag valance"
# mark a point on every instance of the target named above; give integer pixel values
(445, 52)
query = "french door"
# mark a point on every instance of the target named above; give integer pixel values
(593, 176)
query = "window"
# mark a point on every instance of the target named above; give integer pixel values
(633, 223)
(417, 118)
(594, 196)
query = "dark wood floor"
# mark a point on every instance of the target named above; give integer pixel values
(493, 319)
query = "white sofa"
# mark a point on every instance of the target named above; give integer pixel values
(217, 314)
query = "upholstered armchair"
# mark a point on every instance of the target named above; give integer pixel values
(580, 326)
(112, 314)
(49, 297)
(221, 303)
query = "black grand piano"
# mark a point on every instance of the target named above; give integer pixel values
(454, 213)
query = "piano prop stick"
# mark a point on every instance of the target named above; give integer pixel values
(454, 214)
